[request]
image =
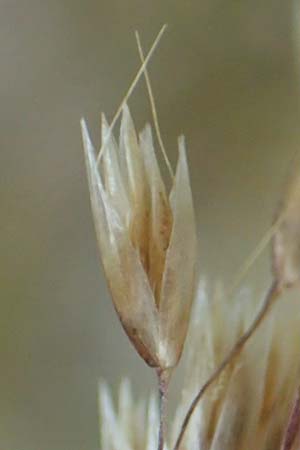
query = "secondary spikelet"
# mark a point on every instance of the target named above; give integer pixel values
(248, 407)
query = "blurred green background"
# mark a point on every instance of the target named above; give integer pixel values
(226, 75)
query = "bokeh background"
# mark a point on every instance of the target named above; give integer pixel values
(226, 75)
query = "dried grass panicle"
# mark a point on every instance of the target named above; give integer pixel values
(144, 234)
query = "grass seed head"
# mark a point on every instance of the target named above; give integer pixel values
(147, 239)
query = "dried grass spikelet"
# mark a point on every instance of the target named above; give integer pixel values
(285, 260)
(249, 405)
(247, 408)
(147, 239)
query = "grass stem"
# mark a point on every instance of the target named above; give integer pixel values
(163, 382)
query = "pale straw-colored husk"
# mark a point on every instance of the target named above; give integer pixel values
(249, 405)
(147, 239)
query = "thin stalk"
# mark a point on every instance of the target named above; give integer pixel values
(272, 294)
(293, 427)
(254, 255)
(163, 382)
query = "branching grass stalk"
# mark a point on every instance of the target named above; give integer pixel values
(252, 258)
